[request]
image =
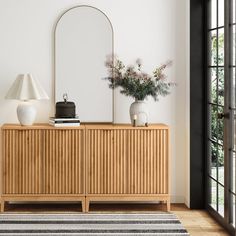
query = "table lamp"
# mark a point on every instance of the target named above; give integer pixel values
(26, 88)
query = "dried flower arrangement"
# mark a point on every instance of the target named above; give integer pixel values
(135, 83)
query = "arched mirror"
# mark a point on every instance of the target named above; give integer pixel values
(83, 39)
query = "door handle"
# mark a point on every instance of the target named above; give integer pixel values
(222, 115)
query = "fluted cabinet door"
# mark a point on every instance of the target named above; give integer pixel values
(147, 157)
(127, 161)
(106, 161)
(63, 161)
(100, 161)
(22, 165)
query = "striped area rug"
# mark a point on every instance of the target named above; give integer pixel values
(91, 224)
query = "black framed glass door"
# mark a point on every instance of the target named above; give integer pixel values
(221, 107)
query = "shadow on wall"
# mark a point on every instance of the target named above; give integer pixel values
(8, 107)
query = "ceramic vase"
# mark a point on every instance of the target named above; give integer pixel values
(138, 113)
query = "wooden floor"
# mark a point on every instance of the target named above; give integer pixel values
(197, 222)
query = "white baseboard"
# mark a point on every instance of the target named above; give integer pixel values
(177, 199)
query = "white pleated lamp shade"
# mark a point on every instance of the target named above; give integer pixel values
(25, 87)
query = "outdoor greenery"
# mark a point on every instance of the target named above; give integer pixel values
(217, 97)
(135, 83)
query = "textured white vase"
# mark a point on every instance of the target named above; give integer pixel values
(26, 113)
(139, 110)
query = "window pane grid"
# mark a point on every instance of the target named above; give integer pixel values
(216, 142)
(220, 27)
(215, 104)
(216, 101)
(220, 144)
(221, 65)
(212, 66)
(217, 181)
(231, 192)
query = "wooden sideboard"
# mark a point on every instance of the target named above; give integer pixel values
(85, 164)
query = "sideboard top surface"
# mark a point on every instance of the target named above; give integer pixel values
(83, 126)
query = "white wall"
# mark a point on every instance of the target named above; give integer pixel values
(154, 30)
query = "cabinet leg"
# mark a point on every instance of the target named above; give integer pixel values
(83, 203)
(87, 205)
(2, 206)
(168, 205)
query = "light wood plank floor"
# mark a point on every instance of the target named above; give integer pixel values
(197, 222)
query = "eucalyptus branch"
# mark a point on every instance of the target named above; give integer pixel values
(136, 83)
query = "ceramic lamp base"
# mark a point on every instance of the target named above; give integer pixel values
(26, 113)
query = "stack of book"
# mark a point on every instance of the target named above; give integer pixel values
(64, 122)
